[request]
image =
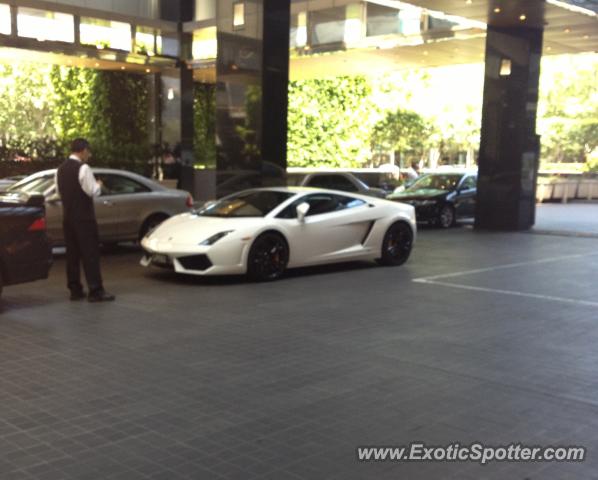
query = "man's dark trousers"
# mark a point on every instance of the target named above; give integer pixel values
(82, 246)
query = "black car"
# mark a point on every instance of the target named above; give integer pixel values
(25, 253)
(441, 198)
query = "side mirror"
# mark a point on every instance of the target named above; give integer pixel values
(302, 210)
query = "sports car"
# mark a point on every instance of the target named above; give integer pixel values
(262, 232)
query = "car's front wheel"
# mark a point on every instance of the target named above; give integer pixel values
(268, 257)
(397, 244)
(446, 217)
(150, 224)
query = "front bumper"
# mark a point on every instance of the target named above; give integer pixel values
(222, 258)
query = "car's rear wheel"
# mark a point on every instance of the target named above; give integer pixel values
(150, 223)
(397, 244)
(268, 257)
(446, 217)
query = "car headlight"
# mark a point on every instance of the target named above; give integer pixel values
(214, 238)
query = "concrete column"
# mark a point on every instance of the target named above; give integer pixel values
(251, 93)
(509, 147)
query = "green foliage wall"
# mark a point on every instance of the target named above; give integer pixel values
(330, 122)
(204, 123)
(42, 108)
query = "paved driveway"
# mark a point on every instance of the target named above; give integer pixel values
(480, 337)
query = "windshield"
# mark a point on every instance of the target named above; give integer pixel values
(253, 203)
(37, 185)
(445, 182)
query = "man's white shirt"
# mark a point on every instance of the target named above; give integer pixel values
(86, 179)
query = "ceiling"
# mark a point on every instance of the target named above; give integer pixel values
(566, 26)
(567, 29)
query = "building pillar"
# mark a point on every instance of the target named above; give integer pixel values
(176, 93)
(509, 146)
(252, 75)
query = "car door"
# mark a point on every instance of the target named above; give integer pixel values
(334, 228)
(466, 196)
(121, 205)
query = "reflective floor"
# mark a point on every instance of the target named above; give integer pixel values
(484, 337)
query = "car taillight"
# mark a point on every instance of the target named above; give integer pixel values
(38, 225)
(189, 201)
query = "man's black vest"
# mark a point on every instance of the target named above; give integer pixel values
(77, 206)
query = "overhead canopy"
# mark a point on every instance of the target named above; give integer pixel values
(568, 28)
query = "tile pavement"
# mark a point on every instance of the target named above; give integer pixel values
(187, 378)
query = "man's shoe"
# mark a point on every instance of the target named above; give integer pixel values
(102, 296)
(77, 295)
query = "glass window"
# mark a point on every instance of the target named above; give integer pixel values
(119, 185)
(105, 33)
(382, 20)
(440, 24)
(252, 203)
(239, 15)
(144, 41)
(469, 183)
(320, 203)
(5, 22)
(205, 44)
(327, 26)
(447, 182)
(39, 185)
(333, 182)
(45, 25)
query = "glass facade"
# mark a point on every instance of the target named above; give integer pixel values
(327, 26)
(5, 27)
(105, 33)
(205, 44)
(382, 20)
(205, 10)
(44, 25)
(145, 41)
(239, 15)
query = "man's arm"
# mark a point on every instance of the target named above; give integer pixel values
(88, 182)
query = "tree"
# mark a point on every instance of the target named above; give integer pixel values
(568, 111)
(401, 131)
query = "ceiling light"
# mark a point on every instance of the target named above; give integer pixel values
(522, 17)
(497, 10)
(147, 70)
(567, 30)
(549, 48)
(97, 64)
(468, 2)
(122, 68)
(585, 37)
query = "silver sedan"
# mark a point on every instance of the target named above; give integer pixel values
(130, 205)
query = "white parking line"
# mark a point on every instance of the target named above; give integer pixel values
(508, 265)
(434, 280)
(507, 292)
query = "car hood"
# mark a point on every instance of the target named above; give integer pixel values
(419, 194)
(189, 228)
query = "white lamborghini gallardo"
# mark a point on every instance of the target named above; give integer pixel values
(262, 232)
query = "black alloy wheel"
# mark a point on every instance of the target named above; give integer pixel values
(268, 257)
(397, 243)
(446, 217)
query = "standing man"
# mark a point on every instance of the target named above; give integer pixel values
(77, 188)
